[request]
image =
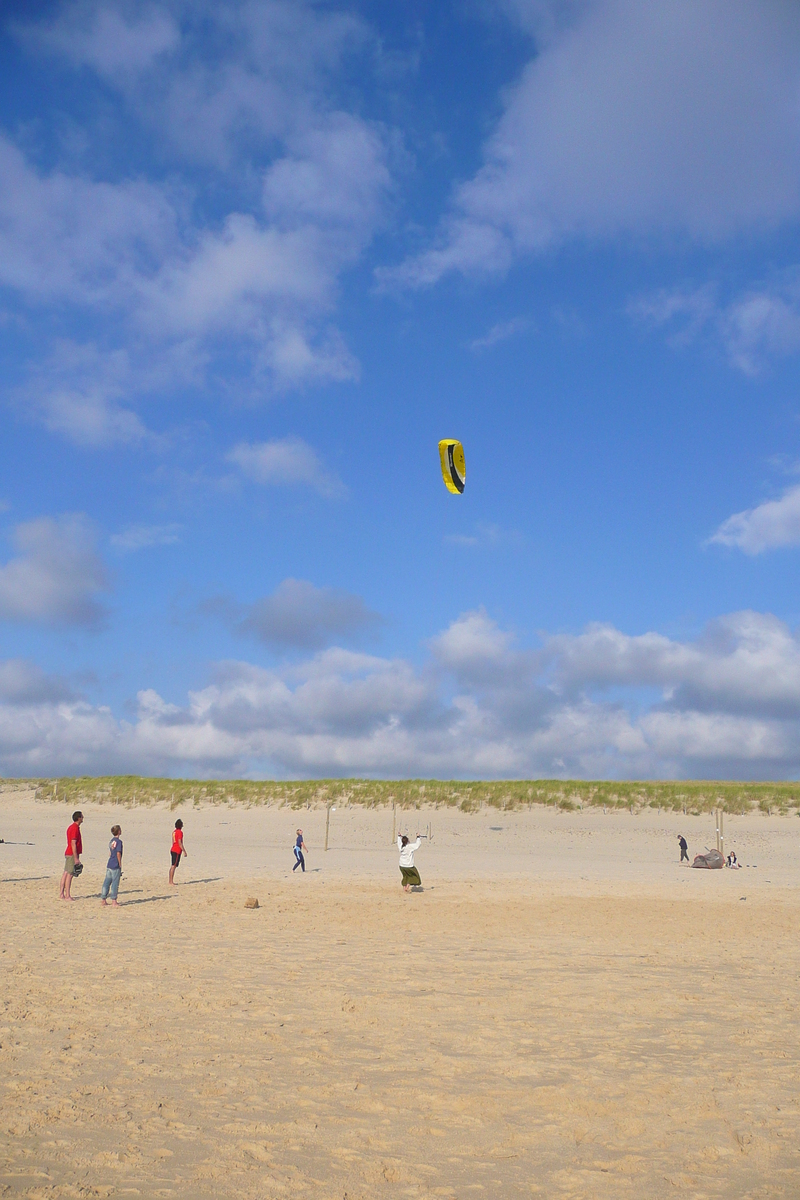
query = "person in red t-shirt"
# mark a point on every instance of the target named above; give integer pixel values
(178, 848)
(72, 855)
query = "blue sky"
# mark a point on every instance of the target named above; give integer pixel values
(256, 259)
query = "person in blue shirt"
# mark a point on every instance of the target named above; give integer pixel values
(299, 847)
(113, 867)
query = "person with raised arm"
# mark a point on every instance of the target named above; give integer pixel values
(408, 871)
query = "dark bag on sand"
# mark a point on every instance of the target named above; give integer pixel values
(712, 860)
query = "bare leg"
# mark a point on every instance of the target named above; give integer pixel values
(64, 879)
(172, 875)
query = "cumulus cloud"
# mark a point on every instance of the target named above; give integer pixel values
(142, 537)
(240, 94)
(754, 328)
(264, 77)
(79, 392)
(56, 576)
(106, 38)
(728, 706)
(300, 615)
(768, 526)
(65, 237)
(285, 461)
(24, 683)
(633, 118)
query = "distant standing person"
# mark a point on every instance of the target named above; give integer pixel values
(408, 871)
(178, 848)
(299, 847)
(684, 847)
(113, 868)
(72, 856)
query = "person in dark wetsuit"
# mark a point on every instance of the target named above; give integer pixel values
(299, 847)
(684, 847)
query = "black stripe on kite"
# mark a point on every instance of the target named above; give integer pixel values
(458, 482)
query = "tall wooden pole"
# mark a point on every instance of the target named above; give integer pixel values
(327, 823)
(394, 821)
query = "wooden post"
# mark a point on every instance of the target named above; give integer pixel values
(394, 821)
(722, 832)
(327, 823)
(716, 823)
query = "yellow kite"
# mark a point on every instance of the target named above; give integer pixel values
(454, 470)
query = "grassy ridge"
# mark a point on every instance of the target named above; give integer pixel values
(690, 797)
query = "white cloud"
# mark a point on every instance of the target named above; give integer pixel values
(105, 38)
(298, 614)
(243, 90)
(23, 683)
(335, 176)
(91, 419)
(57, 575)
(263, 73)
(78, 392)
(729, 707)
(677, 117)
(760, 326)
(486, 534)
(500, 333)
(767, 526)
(745, 662)
(688, 311)
(142, 537)
(285, 461)
(68, 238)
(274, 277)
(754, 327)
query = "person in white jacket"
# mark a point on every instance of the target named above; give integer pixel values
(408, 871)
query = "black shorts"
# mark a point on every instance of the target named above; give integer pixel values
(176, 857)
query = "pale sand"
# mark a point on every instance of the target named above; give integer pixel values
(563, 1012)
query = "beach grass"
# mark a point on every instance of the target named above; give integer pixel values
(505, 795)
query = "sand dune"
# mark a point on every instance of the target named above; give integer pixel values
(563, 1012)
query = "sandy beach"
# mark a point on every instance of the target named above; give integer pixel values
(564, 1011)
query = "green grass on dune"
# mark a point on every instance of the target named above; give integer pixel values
(508, 795)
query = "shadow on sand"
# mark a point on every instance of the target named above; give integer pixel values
(28, 879)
